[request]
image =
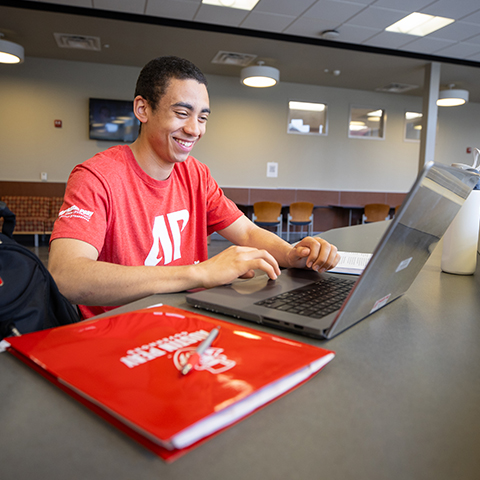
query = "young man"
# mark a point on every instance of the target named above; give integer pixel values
(149, 204)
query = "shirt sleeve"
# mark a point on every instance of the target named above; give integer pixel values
(221, 211)
(84, 213)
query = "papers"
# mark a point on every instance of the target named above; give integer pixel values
(352, 263)
(126, 368)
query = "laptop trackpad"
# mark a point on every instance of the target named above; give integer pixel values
(251, 285)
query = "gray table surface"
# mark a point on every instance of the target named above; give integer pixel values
(401, 400)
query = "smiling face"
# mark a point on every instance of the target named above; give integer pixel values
(170, 131)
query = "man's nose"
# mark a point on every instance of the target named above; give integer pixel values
(193, 127)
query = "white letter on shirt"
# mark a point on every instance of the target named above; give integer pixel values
(161, 237)
(173, 221)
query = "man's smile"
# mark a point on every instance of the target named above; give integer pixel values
(185, 143)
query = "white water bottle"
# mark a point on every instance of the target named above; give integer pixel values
(460, 242)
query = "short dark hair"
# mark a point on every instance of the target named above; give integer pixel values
(155, 76)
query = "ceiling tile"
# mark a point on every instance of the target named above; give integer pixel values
(427, 45)
(268, 22)
(378, 18)
(474, 40)
(283, 7)
(457, 31)
(354, 34)
(232, 17)
(73, 3)
(404, 5)
(183, 10)
(474, 58)
(309, 27)
(362, 2)
(459, 50)
(335, 11)
(129, 6)
(452, 9)
(389, 40)
(474, 18)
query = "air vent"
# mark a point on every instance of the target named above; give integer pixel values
(80, 42)
(232, 58)
(396, 88)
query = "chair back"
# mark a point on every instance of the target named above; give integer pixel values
(376, 212)
(267, 211)
(301, 211)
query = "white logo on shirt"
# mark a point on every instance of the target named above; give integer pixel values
(161, 238)
(75, 212)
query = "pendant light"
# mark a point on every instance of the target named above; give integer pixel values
(10, 52)
(452, 97)
(260, 76)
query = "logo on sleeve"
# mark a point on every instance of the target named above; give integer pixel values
(75, 212)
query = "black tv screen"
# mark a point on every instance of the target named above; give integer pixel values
(112, 120)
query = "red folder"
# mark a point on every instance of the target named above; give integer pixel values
(126, 368)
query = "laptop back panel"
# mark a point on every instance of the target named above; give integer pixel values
(413, 234)
(418, 226)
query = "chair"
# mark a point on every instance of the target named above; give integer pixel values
(375, 212)
(300, 214)
(268, 214)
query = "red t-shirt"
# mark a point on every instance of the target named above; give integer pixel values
(132, 219)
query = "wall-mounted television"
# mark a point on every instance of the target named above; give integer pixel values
(112, 120)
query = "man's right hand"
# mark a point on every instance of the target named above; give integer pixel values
(237, 262)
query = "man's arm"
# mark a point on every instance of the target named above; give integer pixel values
(85, 280)
(311, 252)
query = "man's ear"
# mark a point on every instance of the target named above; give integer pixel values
(141, 108)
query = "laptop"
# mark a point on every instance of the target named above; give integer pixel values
(419, 224)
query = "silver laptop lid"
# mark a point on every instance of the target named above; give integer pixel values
(427, 211)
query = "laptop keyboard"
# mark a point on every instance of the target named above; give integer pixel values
(315, 300)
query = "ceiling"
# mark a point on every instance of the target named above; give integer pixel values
(283, 33)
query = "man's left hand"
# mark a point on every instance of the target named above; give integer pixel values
(314, 253)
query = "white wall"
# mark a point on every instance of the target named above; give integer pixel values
(39, 91)
(246, 130)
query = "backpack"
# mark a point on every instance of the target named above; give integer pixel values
(29, 297)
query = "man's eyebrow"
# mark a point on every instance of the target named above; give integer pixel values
(188, 106)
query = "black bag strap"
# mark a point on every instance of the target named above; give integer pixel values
(9, 220)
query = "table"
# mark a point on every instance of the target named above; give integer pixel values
(401, 400)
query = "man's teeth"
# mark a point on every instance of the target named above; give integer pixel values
(183, 142)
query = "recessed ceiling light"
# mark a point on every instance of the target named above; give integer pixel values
(306, 106)
(413, 115)
(357, 126)
(419, 24)
(240, 4)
